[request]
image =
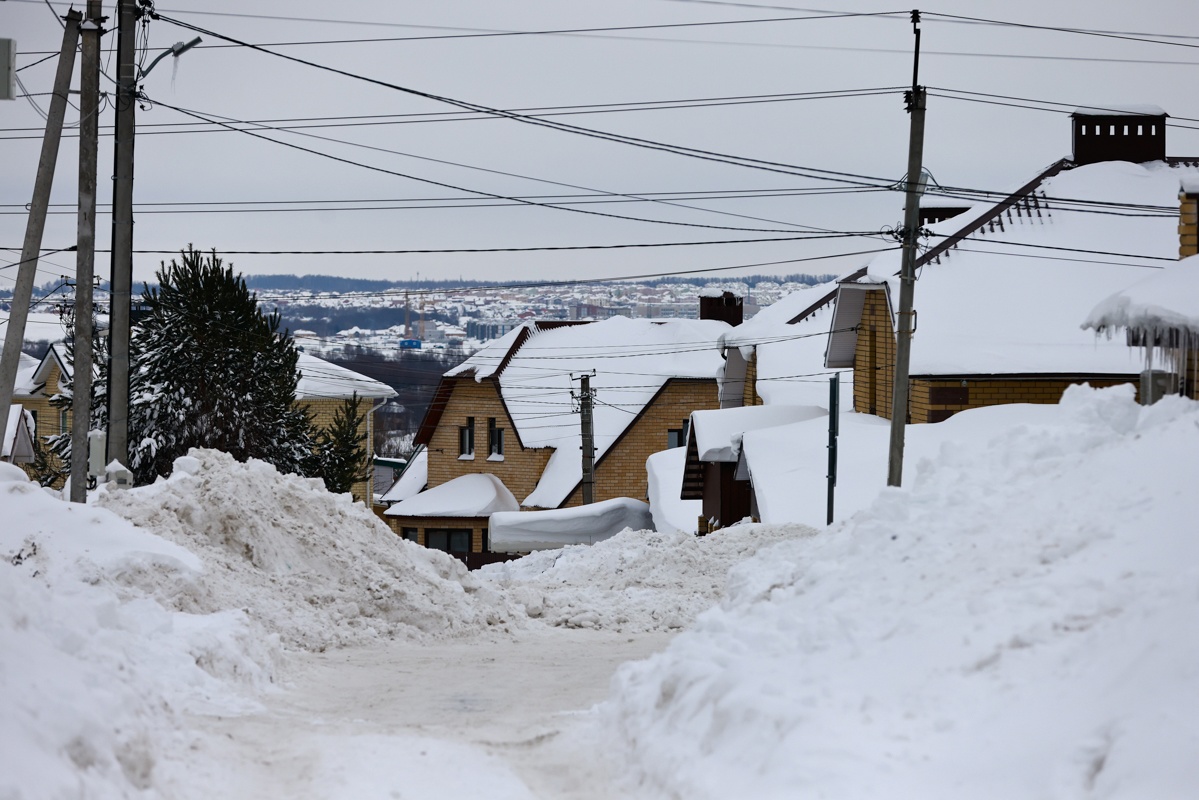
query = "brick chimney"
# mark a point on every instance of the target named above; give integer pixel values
(1188, 218)
(724, 306)
(1119, 133)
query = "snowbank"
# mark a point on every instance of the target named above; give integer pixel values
(94, 670)
(1020, 622)
(312, 567)
(525, 531)
(636, 581)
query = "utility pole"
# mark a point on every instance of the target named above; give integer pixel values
(907, 278)
(121, 275)
(587, 418)
(85, 256)
(22, 293)
(834, 427)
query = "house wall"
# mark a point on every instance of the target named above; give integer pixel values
(874, 358)
(322, 410)
(521, 468)
(621, 472)
(477, 526)
(1188, 225)
(750, 395)
(49, 417)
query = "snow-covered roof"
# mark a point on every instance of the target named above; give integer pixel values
(411, 480)
(632, 359)
(718, 432)
(1167, 299)
(322, 379)
(17, 447)
(525, 531)
(26, 367)
(789, 352)
(478, 494)
(1005, 301)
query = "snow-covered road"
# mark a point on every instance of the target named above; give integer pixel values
(496, 719)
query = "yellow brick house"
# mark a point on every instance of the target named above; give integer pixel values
(509, 412)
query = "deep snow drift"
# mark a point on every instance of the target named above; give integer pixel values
(312, 567)
(1020, 622)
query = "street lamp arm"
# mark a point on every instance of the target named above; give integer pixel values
(176, 50)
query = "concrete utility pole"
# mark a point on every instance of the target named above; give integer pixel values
(907, 277)
(121, 274)
(586, 405)
(85, 258)
(22, 293)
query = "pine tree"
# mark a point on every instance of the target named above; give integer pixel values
(342, 448)
(208, 369)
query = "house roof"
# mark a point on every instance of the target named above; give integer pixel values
(633, 359)
(17, 446)
(788, 339)
(322, 379)
(1005, 290)
(718, 432)
(478, 494)
(1165, 300)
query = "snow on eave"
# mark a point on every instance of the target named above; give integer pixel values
(477, 494)
(320, 379)
(412, 479)
(1168, 300)
(717, 433)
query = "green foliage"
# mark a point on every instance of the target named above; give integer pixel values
(341, 448)
(208, 369)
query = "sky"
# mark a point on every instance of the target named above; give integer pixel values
(235, 192)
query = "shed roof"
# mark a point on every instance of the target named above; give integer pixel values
(322, 379)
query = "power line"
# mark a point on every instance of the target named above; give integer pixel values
(1080, 31)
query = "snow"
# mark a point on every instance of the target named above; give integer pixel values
(635, 582)
(322, 379)
(1018, 622)
(475, 495)
(525, 531)
(316, 569)
(718, 432)
(411, 480)
(664, 471)
(17, 446)
(1163, 300)
(995, 308)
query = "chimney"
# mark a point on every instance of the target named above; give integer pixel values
(724, 306)
(1121, 133)
(1188, 218)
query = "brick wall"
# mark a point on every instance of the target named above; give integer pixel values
(874, 357)
(521, 468)
(621, 472)
(750, 396)
(1188, 225)
(934, 400)
(322, 410)
(477, 526)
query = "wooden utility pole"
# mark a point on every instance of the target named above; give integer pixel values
(22, 293)
(121, 265)
(85, 257)
(907, 277)
(587, 419)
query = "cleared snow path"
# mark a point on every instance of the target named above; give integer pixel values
(482, 719)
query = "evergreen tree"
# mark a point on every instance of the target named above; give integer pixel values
(208, 369)
(342, 448)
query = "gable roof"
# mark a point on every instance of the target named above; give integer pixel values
(1004, 291)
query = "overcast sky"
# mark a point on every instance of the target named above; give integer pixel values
(968, 143)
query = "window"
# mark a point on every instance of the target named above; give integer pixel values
(455, 541)
(495, 439)
(63, 425)
(466, 439)
(677, 437)
(412, 535)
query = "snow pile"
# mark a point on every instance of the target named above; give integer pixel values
(634, 582)
(94, 672)
(312, 567)
(1021, 622)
